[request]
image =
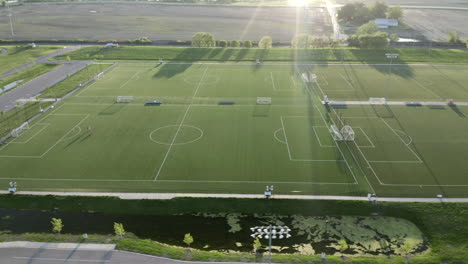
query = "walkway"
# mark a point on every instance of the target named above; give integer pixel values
(3, 52)
(39, 84)
(42, 59)
(155, 196)
(407, 103)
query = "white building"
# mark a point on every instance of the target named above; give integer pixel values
(386, 23)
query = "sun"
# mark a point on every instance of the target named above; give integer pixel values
(297, 2)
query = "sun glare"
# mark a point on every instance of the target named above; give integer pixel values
(297, 2)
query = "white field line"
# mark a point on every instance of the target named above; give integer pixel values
(352, 154)
(129, 79)
(336, 144)
(95, 81)
(58, 141)
(320, 142)
(31, 137)
(370, 141)
(178, 129)
(350, 85)
(285, 137)
(425, 88)
(402, 141)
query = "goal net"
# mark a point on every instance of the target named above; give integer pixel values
(124, 99)
(377, 100)
(309, 77)
(347, 133)
(264, 100)
(335, 132)
(17, 131)
(99, 76)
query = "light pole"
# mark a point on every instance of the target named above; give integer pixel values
(270, 232)
(390, 56)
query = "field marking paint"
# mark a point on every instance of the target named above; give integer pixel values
(130, 79)
(320, 142)
(368, 139)
(72, 136)
(344, 78)
(411, 139)
(402, 141)
(425, 88)
(31, 137)
(272, 81)
(50, 148)
(276, 136)
(178, 129)
(285, 137)
(177, 144)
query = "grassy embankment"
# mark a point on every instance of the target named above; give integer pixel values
(323, 55)
(26, 75)
(64, 87)
(15, 117)
(19, 55)
(444, 224)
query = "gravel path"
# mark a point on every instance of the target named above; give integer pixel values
(154, 196)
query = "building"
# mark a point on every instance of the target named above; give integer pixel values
(386, 23)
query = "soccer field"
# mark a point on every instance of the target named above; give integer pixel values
(192, 143)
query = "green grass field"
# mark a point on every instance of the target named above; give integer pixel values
(191, 143)
(19, 55)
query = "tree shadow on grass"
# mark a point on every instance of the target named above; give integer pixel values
(241, 54)
(188, 55)
(377, 59)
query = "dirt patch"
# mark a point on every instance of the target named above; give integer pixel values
(160, 22)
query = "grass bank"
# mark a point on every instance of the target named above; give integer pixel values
(19, 55)
(323, 55)
(64, 87)
(443, 224)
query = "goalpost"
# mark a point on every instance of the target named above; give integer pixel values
(124, 99)
(17, 131)
(348, 133)
(309, 77)
(264, 100)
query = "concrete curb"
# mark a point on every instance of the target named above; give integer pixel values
(162, 196)
(61, 246)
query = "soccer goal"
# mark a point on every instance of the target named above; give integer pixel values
(377, 100)
(347, 133)
(17, 131)
(99, 76)
(124, 99)
(335, 132)
(264, 100)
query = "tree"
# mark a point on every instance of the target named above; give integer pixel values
(222, 43)
(265, 43)
(376, 40)
(188, 239)
(467, 43)
(394, 37)
(395, 12)
(256, 244)
(378, 10)
(4, 3)
(343, 245)
(57, 225)
(247, 43)
(362, 14)
(119, 230)
(454, 37)
(235, 43)
(347, 12)
(368, 28)
(203, 39)
(302, 41)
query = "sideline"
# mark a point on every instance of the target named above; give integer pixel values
(158, 196)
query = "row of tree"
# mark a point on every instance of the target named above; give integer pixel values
(358, 13)
(205, 39)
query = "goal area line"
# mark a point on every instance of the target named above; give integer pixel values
(405, 103)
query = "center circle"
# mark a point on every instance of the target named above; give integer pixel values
(184, 134)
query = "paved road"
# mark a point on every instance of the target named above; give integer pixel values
(220, 195)
(66, 255)
(39, 84)
(42, 59)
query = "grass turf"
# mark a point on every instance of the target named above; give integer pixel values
(26, 75)
(19, 55)
(193, 144)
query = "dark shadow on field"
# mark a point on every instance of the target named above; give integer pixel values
(377, 59)
(241, 54)
(188, 55)
(215, 52)
(74, 140)
(112, 109)
(260, 54)
(227, 54)
(457, 110)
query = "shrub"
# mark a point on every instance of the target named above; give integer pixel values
(235, 43)
(203, 39)
(265, 42)
(222, 43)
(248, 44)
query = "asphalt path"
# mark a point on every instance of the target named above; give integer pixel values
(77, 256)
(39, 84)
